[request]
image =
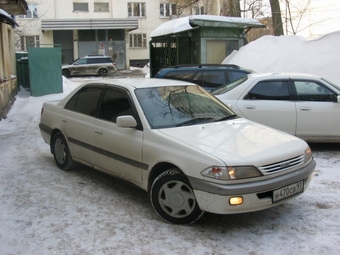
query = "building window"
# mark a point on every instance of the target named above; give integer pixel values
(167, 10)
(136, 9)
(199, 10)
(80, 7)
(101, 7)
(138, 41)
(29, 42)
(32, 12)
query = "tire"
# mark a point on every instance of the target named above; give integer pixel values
(66, 73)
(61, 152)
(102, 72)
(173, 198)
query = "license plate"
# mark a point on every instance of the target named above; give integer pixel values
(287, 191)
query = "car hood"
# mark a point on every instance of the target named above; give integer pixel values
(240, 141)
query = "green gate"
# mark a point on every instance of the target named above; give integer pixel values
(45, 70)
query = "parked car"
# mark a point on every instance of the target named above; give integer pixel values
(209, 76)
(306, 106)
(179, 143)
(90, 65)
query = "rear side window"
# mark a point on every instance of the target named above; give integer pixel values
(213, 79)
(269, 90)
(180, 75)
(99, 60)
(235, 75)
(85, 101)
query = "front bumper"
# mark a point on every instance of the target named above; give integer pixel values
(257, 195)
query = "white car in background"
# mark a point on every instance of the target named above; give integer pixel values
(303, 105)
(179, 143)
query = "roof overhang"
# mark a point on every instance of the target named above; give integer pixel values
(179, 25)
(14, 7)
(88, 24)
(6, 18)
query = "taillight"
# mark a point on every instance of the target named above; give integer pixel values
(42, 110)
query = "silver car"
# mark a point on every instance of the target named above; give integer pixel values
(90, 65)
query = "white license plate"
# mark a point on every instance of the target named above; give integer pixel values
(287, 191)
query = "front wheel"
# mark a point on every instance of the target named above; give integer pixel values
(173, 198)
(61, 152)
(102, 72)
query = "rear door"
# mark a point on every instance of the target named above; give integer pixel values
(270, 103)
(317, 110)
(79, 122)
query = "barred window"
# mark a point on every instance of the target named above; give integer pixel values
(101, 7)
(136, 9)
(29, 41)
(167, 10)
(138, 41)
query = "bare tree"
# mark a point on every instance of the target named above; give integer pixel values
(231, 8)
(276, 17)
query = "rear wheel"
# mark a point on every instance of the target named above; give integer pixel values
(61, 152)
(66, 73)
(102, 72)
(173, 198)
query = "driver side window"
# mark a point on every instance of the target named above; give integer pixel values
(114, 104)
(312, 91)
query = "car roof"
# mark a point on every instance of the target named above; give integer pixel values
(282, 76)
(134, 83)
(95, 56)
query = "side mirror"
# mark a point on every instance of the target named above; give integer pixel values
(126, 121)
(338, 98)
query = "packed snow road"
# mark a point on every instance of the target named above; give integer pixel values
(45, 210)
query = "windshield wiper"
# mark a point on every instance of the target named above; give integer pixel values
(195, 121)
(233, 116)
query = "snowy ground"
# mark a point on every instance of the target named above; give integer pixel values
(45, 211)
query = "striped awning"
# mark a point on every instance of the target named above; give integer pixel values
(88, 24)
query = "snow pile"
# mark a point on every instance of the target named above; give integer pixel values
(320, 56)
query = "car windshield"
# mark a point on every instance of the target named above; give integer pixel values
(227, 87)
(174, 106)
(332, 84)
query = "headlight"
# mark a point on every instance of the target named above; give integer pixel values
(308, 154)
(231, 172)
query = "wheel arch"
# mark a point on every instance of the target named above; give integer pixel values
(54, 132)
(158, 169)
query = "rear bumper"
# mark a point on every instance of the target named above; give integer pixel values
(214, 197)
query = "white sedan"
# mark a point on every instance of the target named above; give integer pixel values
(180, 144)
(303, 105)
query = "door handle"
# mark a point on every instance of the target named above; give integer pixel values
(64, 120)
(304, 108)
(249, 107)
(98, 132)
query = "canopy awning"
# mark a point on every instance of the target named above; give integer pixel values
(191, 22)
(6, 18)
(88, 24)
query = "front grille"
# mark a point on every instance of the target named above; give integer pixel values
(282, 166)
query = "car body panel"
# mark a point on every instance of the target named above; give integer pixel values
(314, 121)
(84, 66)
(207, 76)
(134, 153)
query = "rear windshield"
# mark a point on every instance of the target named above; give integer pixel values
(227, 87)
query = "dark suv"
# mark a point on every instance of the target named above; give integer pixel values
(90, 65)
(209, 76)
